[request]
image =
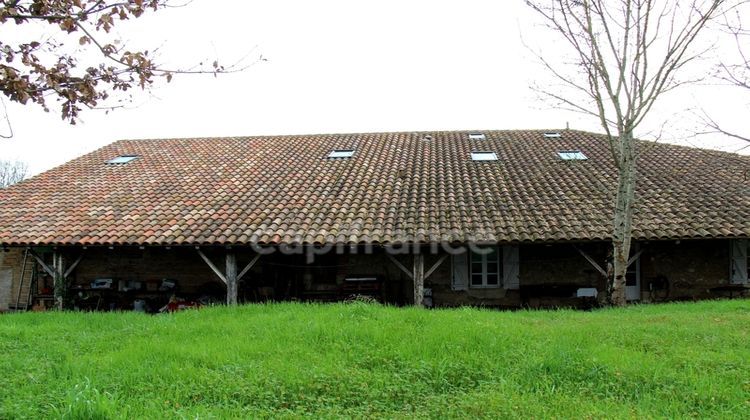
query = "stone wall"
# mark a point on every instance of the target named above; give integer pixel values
(684, 270)
(10, 273)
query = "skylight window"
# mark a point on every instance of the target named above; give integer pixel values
(122, 159)
(477, 136)
(483, 156)
(571, 155)
(341, 154)
(552, 135)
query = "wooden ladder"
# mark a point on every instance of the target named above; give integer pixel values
(26, 283)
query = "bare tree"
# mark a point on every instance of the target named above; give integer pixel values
(12, 172)
(625, 55)
(733, 72)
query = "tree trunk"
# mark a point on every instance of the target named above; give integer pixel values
(623, 220)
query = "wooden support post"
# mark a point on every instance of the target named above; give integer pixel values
(60, 286)
(418, 277)
(231, 277)
(59, 274)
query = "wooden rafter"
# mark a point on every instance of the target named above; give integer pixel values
(73, 266)
(591, 261)
(248, 267)
(212, 266)
(47, 269)
(435, 266)
(399, 265)
(635, 257)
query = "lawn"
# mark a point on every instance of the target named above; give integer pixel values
(365, 360)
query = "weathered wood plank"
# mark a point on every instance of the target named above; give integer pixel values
(399, 265)
(435, 266)
(248, 267)
(60, 286)
(635, 257)
(418, 278)
(591, 261)
(73, 266)
(231, 277)
(212, 266)
(42, 264)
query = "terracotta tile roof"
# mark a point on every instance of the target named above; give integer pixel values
(398, 187)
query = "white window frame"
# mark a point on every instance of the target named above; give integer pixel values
(341, 154)
(572, 155)
(483, 156)
(485, 260)
(477, 136)
(122, 159)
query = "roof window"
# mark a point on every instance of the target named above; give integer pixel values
(571, 155)
(552, 135)
(122, 159)
(477, 136)
(483, 156)
(341, 154)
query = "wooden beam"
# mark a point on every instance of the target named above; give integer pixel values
(399, 265)
(60, 286)
(42, 264)
(231, 277)
(212, 266)
(591, 261)
(435, 266)
(635, 257)
(418, 278)
(248, 267)
(73, 266)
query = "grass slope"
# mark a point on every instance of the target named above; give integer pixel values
(289, 360)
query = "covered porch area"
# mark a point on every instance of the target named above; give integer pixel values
(151, 278)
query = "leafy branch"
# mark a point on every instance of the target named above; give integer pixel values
(34, 71)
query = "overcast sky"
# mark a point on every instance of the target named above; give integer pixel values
(341, 66)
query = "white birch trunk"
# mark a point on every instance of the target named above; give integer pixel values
(622, 229)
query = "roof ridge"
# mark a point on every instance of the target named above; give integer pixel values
(536, 130)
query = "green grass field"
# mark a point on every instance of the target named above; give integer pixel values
(360, 360)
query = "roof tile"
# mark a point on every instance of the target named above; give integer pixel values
(397, 188)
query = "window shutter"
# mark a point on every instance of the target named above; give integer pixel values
(510, 267)
(739, 262)
(460, 280)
